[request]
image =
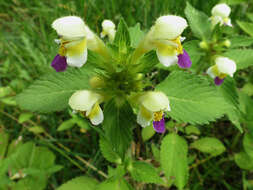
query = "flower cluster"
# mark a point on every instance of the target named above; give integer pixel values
(165, 37)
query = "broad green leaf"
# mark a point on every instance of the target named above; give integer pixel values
(246, 27)
(209, 145)
(240, 41)
(144, 172)
(119, 184)
(229, 92)
(174, 159)
(248, 144)
(24, 117)
(107, 151)
(189, 130)
(122, 37)
(10, 101)
(147, 133)
(242, 57)
(52, 91)
(80, 183)
(244, 161)
(199, 22)
(68, 124)
(192, 98)
(136, 35)
(148, 62)
(118, 125)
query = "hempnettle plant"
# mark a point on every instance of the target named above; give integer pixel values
(116, 85)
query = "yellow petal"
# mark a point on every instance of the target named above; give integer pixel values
(144, 117)
(96, 115)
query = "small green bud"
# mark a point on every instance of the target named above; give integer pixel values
(203, 45)
(227, 43)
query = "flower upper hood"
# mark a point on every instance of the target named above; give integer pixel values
(70, 27)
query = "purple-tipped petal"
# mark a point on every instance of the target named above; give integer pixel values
(218, 81)
(184, 60)
(59, 63)
(159, 126)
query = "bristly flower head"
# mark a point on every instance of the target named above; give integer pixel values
(165, 37)
(87, 102)
(108, 30)
(223, 67)
(152, 107)
(220, 14)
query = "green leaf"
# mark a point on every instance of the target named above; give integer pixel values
(36, 129)
(248, 144)
(248, 89)
(81, 122)
(199, 22)
(242, 57)
(5, 91)
(52, 91)
(122, 36)
(79, 183)
(209, 145)
(68, 124)
(192, 98)
(229, 92)
(107, 151)
(136, 35)
(119, 184)
(244, 161)
(174, 159)
(24, 117)
(147, 133)
(144, 172)
(189, 130)
(156, 152)
(240, 41)
(233, 2)
(246, 27)
(118, 125)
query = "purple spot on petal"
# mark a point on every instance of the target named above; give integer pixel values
(59, 63)
(218, 81)
(159, 126)
(184, 60)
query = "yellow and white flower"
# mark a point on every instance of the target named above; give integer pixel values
(165, 37)
(73, 45)
(88, 102)
(220, 14)
(152, 108)
(108, 30)
(223, 67)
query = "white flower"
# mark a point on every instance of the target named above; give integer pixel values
(108, 29)
(73, 43)
(220, 14)
(165, 37)
(223, 67)
(152, 106)
(88, 101)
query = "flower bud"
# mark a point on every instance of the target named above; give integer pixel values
(96, 82)
(203, 45)
(227, 43)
